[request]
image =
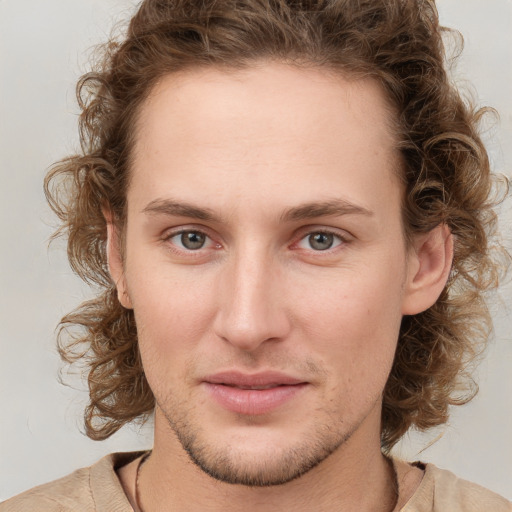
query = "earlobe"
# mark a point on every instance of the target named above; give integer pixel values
(115, 260)
(430, 263)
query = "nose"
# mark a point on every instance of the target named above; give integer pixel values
(251, 309)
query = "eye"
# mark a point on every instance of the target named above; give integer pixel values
(320, 241)
(190, 240)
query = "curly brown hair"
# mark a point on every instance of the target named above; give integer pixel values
(446, 174)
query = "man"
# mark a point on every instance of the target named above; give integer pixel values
(287, 206)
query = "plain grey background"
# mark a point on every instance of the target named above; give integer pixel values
(43, 50)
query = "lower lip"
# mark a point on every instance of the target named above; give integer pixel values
(253, 401)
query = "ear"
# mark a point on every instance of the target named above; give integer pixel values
(429, 265)
(115, 260)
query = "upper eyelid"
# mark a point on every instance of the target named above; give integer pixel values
(344, 237)
(341, 238)
(182, 251)
(171, 232)
(309, 230)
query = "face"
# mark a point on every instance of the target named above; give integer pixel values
(266, 265)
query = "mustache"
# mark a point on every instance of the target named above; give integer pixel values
(305, 368)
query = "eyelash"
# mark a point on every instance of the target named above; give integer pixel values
(342, 240)
(336, 235)
(181, 250)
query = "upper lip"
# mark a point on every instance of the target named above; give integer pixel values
(266, 379)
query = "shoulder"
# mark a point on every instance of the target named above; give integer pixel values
(63, 494)
(93, 488)
(441, 490)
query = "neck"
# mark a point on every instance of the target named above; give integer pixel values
(355, 477)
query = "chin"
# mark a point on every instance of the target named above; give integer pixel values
(260, 460)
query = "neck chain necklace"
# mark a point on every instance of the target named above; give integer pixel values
(145, 457)
(396, 485)
(142, 460)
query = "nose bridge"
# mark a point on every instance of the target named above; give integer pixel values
(250, 310)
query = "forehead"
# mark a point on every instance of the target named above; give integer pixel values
(247, 132)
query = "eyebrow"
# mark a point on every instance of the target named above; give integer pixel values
(179, 209)
(330, 208)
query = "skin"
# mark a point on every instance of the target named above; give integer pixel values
(255, 149)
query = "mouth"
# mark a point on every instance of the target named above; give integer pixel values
(256, 388)
(252, 394)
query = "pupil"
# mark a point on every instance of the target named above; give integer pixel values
(192, 240)
(321, 241)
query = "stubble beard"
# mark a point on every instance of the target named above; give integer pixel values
(226, 464)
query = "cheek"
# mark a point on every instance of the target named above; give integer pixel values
(172, 313)
(363, 305)
(354, 328)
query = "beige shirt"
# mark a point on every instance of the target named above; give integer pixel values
(97, 488)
